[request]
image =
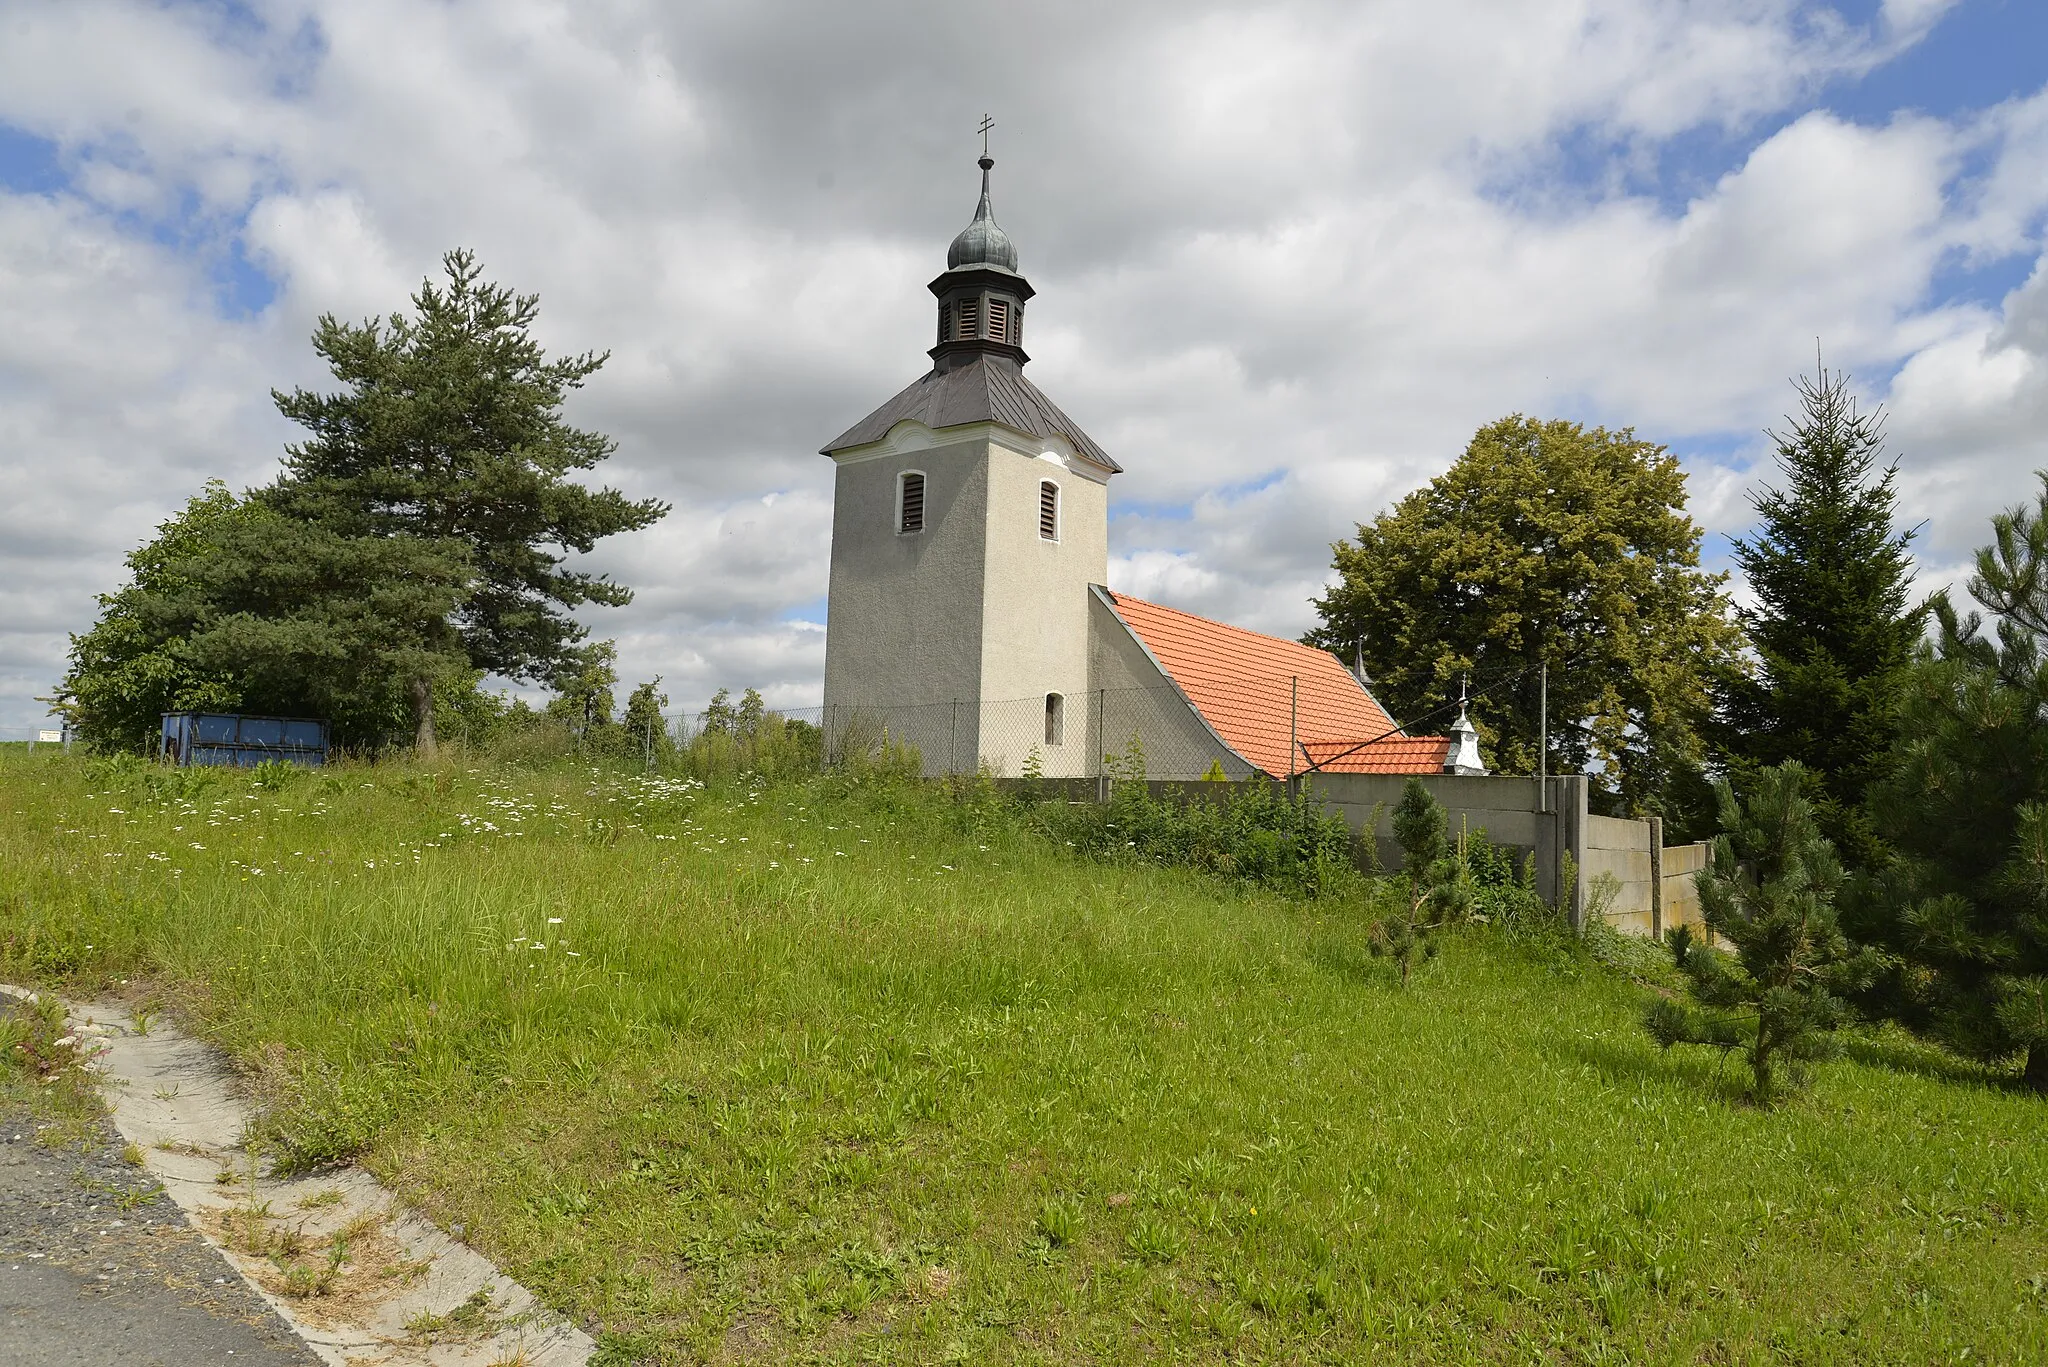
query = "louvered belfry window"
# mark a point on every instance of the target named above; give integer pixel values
(999, 319)
(910, 502)
(970, 319)
(1049, 510)
(945, 322)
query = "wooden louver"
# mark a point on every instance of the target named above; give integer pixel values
(1049, 510)
(911, 519)
(999, 319)
(970, 318)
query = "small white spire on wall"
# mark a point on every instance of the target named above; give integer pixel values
(1464, 756)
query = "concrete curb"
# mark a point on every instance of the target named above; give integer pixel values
(174, 1098)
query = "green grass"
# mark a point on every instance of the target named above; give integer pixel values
(860, 1074)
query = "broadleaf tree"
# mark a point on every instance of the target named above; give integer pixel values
(1546, 541)
(448, 428)
(129, 668)
(235, 607)
(1962, 902)
(1833, 629)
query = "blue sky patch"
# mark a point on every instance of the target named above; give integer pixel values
(28, 164)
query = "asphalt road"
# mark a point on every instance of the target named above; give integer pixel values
(99, 1269)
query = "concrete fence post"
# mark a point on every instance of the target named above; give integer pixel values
(1657, 878)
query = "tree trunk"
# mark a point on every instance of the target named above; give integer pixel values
(2036, 1075)
(423, 718)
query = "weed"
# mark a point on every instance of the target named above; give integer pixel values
(1152, 1240)
(474, 1318)
(1059, 1222)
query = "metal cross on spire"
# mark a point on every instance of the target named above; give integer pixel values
(986, 124)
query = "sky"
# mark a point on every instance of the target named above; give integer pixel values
(1288, 255)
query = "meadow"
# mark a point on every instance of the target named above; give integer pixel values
(841, 1071)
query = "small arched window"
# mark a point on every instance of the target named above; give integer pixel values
(1055, 718)
(909, 502)
(1048, 510)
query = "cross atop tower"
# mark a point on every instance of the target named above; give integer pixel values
(986, 124)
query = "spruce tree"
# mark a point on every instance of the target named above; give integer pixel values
(1963, 904)
(1832, 628)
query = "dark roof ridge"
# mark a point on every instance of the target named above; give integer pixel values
(987, 388)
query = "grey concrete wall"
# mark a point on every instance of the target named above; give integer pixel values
(1623, 851)
(1513, 812)
(1682, 864)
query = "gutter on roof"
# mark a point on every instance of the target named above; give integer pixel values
(1108, 600)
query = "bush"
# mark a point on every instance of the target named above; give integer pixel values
(1257, 833)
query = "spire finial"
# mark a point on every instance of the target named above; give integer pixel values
(986, 124)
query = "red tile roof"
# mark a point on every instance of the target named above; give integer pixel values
(1240, 683)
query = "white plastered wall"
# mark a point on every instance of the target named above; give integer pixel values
(955, 635)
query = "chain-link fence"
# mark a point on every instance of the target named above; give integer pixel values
(53, 735)
(1241, 727)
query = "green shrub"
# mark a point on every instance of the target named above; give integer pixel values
(1256, 832)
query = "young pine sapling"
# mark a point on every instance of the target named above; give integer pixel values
(1770, 892)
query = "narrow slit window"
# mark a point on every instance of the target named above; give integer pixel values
(999, 319)
(970, 319)
(1055, 718)
(910, 502)
(1048, 511)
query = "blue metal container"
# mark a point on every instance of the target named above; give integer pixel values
(231, 739)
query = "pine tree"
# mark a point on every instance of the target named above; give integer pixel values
(448, 429)
(1963, 904)
(1770, 892)
(1832, 629)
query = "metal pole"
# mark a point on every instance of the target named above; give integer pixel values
(953, 741)
(1543, 737)
(1293, 714)
(1101, 757)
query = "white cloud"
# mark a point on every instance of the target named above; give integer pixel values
(1289, 257)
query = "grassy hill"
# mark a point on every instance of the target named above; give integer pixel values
(859, 1073)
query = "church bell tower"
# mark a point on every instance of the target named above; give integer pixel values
(969, 518)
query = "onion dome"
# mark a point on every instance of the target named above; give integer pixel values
(982, 242)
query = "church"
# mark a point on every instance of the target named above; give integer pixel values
(969, 614)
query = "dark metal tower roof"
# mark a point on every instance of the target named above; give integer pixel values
(987, 388)
(982, 242)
